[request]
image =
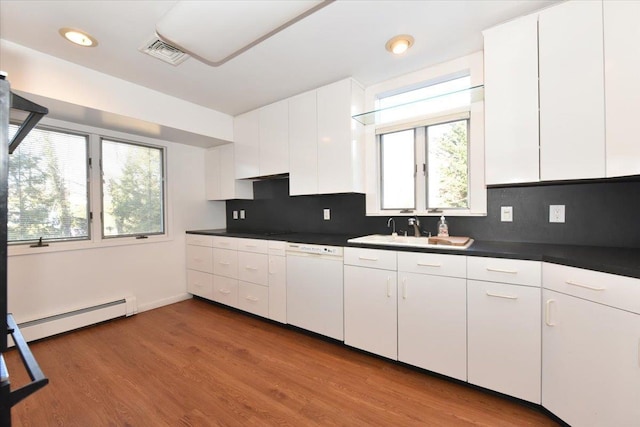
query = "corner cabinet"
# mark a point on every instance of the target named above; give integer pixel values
(622, 86)
(220, 181)
(325, 143)
(591, 347)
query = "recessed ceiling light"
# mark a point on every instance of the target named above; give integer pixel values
(399, 44)
(78, 37)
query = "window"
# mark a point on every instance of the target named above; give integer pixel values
(61, 176)
(429, 160)
(424, 142)
(48, 191)
(132, 191)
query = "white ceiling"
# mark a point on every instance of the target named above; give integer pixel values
(346, 38)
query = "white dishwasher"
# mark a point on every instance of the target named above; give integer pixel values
(315, 291)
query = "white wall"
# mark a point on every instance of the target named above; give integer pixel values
(54, 282)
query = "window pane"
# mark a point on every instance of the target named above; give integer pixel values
(425, 101)
(132, 189)
(397, 162)
(447, 153)
(48, 194)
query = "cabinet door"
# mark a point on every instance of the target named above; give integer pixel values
(591, 362)
(432, 323)
(278, 288)
(225, 262)
(340, 152)
(246, 135)
(200, 258)
(274, 139)
(200, 283)
(253, 298)
(511, 102)
(303, 144)
(504, 338)
(622, 85)
(572, 144)
(212, 180)
(370, 310)
(252, 267)
(230, 187)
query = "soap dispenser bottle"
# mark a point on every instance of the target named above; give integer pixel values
(443, 228)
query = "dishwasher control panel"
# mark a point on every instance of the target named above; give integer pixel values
(315, 249)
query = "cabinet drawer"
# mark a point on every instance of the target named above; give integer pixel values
(225, 242)
(517, 272)
(436, 264)
(253, 245)
(200, 258)
(610, 289)
(225, 263)
(225, 290)
(253, 298)
(277, 247)
(253, 267)
(200, 283)
(199, 240)
(373, 258)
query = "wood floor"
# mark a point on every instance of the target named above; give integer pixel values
(199, 364)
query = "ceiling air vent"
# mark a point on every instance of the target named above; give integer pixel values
(164, 51)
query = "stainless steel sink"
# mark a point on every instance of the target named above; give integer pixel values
(408, 241)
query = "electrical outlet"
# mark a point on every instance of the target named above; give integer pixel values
(556, 213)
(242, 216)
(506, 213)
(327, 214)
(235, 214)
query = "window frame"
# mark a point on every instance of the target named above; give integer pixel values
(95, 197)
(471, 65)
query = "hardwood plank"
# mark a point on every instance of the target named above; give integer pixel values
(200, 364)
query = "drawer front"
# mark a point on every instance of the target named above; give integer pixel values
(225, 263)
(200, 283)
(199, 240)
(277, 247)
(515, 271)
(610, 289)
(200, 258)
(225, 290)
(435, 264)
(253, 245)
(253, 298)
(373, 258)
(225, 242)
(253, 267)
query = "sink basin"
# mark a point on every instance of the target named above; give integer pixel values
(409, 241)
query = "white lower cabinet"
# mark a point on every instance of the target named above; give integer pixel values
(277, 282)
(225, 290)
(370, 310)
(200, 284)
(253, 298)
(432, 323)
(591, 350)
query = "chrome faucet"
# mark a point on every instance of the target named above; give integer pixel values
(415, 222)
(391, 220)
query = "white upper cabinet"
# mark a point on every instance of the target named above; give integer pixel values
(274, 139)
(220, 181)
(340, 138)
(303, 144)
(622, 86)
(246, 135)
(511, 102)
(572, 144)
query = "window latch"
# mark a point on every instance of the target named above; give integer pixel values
(39, 244)
(142, 237)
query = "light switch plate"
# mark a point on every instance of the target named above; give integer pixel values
(327, 214)
(242, 214)
(556, 213)
(506, 213)
(235, 214)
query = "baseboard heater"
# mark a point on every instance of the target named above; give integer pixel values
(64, 322)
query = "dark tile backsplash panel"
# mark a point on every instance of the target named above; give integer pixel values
(600, 213)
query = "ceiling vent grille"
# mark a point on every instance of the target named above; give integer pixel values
(164, 51)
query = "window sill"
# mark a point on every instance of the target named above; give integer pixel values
(19, 250)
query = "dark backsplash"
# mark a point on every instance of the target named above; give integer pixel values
(598, 213)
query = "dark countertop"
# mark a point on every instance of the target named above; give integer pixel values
(621, 261)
